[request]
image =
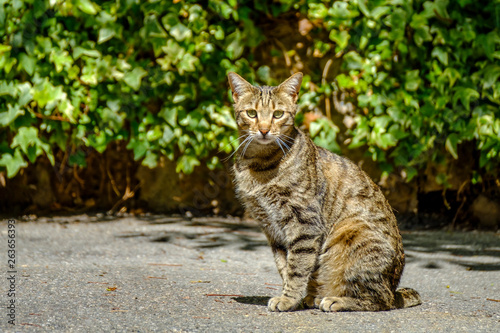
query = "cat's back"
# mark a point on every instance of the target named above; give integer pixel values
(351, 191)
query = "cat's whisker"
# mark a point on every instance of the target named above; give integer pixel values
(286, 142)
(246, 146)
(231, 143)
(283, 142)
(287, 137)
(239, 146)
(279, 144)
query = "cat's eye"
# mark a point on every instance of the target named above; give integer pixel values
(278, 114)
(252, 113)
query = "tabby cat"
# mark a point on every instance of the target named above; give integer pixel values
(334, 236)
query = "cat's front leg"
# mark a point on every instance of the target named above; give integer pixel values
(279, 252)
(302, 254)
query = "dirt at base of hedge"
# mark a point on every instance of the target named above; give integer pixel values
(114, 183)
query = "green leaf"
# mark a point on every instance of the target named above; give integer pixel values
(491, 74)
(386, 140)
(25, 137)
(411, 172)
(154, 134)
(4, 48)
(78, 159)
(139, 147)
(186, 164)
(412, 80)
(381, 122)
(25, 95)
(317, 10)
(396, 114)
(105, 34)
(13, 163)
(379, 11)
(133, 78)
(27, 63)
(422, 35)
(170, 115)
(488, 43)
(315, 128)
(441, 54)
(224, 118)
(440, 6)
(7, 117)
(67, 109)
(341, 38)
(45, 94)
(87, 6)
(153, 27)
(187, 64)
(8, 88)
(452, 74)
(180, 97)
(234, 46)
(151, 160)
(79, 51)
(353, 60)
(398, 24)
(464, 95)
(363, 8)
(168, 135)
(451, 144)
(170, 20)
(180, 32)
(61, 59)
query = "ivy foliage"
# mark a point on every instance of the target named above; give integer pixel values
(423, 76)
(151, 73)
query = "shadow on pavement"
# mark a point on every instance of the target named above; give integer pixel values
(460, 248)
(476, 251)
(203, 233)
(254, 300)
(454, 243)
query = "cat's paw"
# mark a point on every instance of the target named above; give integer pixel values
(282, 303)
(331, 304)
(310, 302)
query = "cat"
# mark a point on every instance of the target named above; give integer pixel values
(333, 234)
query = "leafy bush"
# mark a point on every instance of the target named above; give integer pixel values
(422, 75)
(87, 73)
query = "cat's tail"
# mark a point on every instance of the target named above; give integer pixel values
(406, 297)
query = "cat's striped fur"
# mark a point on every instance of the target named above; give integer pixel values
(334, 236)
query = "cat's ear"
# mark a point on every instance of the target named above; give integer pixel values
(291, 86)
(239, 86)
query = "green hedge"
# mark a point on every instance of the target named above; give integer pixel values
(423, 75)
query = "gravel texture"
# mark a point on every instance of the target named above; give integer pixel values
(158, 273)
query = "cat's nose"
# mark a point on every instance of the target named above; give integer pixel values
(264, 131)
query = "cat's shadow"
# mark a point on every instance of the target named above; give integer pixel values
(254, 300)
(262, 301)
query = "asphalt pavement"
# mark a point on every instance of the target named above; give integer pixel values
(168, 274)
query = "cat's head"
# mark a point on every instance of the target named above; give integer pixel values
(265, 113)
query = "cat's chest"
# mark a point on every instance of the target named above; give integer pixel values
(266, 200)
